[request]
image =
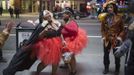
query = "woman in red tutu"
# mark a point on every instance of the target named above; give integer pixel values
(74, 39)
(48, 49)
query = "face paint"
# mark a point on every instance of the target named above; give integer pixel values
(110, 9)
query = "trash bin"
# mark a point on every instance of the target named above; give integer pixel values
(23, 32)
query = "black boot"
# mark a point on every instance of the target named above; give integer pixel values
(8, 72)
(106, 70)
(1, 57)
(0, 22)
(117, 70)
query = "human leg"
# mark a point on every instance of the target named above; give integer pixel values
(106, 60)
(40, 67)
(72, 65)
(117, 64)
(20, 61)
(1, 57)
(54, 68)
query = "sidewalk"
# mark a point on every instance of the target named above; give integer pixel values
(37, 15)
(23, 14)
(88, 63)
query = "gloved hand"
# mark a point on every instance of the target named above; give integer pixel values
(118, 53)
(123, 48)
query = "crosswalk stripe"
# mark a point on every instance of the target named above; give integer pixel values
(94, 36)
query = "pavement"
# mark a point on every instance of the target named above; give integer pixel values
(88, 63)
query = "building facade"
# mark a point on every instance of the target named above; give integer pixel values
(74, 4)
(34, 5)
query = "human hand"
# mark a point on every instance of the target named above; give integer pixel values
(103, 38)
(118, 53)
(8, 27)
(64, 43)
(118, 41)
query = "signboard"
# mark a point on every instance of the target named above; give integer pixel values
(21, 35)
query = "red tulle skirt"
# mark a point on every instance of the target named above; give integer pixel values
(77, 44)
(49, 51)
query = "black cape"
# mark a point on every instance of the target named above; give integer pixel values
(22, 59)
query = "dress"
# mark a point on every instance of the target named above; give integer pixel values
(48, 50)
(75, 37)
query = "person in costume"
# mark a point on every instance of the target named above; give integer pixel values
(128, 45)
(48, 49)
(128, 48)
(3, 37)
(113, 34)
(74, 40)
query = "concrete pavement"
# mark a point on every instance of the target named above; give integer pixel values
(90, 62)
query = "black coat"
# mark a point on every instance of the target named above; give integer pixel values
(129, 67)
(22, 58)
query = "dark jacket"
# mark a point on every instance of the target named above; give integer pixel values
(128, 48)
(129, 64)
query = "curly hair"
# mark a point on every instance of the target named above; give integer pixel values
(114, 6)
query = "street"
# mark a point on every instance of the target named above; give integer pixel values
(89, 62)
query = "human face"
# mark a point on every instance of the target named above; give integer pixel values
(110, 9)
(47, 17)
(66, 17)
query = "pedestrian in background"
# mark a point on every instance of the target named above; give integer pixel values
(17, 12)
(11, 11)
(93, 10)
(3, 37)
(1, 10)
(0, 22)
(113, 33)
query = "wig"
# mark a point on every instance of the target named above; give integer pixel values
(115, 8)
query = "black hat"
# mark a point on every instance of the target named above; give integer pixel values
(68, 10)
